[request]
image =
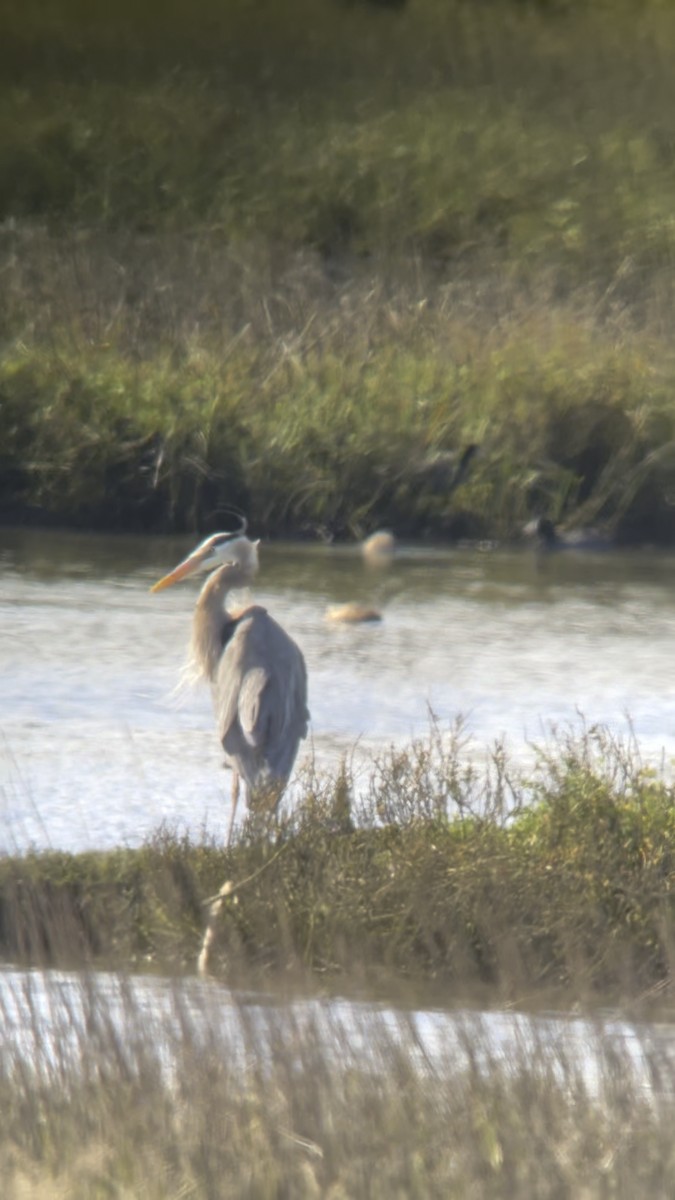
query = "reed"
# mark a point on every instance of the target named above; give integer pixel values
(316, 409)
(438, 871)
(280, 264)
(198, 1094)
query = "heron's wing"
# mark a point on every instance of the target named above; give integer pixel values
(257, 710)
(261, 690)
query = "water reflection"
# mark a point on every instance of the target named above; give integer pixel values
(67, 1021)
(95, 752)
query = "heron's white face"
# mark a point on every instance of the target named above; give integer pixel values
(213, 552)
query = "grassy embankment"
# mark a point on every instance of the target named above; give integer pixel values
(558, 886)
(279, 263)
(571, 896)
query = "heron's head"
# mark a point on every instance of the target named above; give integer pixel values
(215, 551)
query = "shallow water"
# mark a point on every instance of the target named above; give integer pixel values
(95, 752)
(57, 1022)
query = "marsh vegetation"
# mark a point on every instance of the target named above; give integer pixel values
(446, 886)
(294, 258)
(285, 263)
(551, 884)
(186, 1094)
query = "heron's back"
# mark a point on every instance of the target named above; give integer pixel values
(260, 698)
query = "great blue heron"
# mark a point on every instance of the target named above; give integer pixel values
(256, 671)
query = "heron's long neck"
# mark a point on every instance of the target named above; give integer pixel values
(209, 619)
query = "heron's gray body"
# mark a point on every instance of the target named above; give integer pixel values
(260, 699)
(258, 683)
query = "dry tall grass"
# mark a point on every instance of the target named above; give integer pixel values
(280, 264)
(445, 872)
(168, 1091)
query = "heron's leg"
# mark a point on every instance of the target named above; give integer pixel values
(235, 801)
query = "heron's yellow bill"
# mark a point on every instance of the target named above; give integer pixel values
(178, 573)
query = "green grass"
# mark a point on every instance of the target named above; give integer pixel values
(560, 884)
(317, 419)
(276, 263)
(445, 884)
(503, 135)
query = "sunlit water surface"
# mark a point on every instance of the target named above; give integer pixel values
(57, 1023)
(96, 752)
